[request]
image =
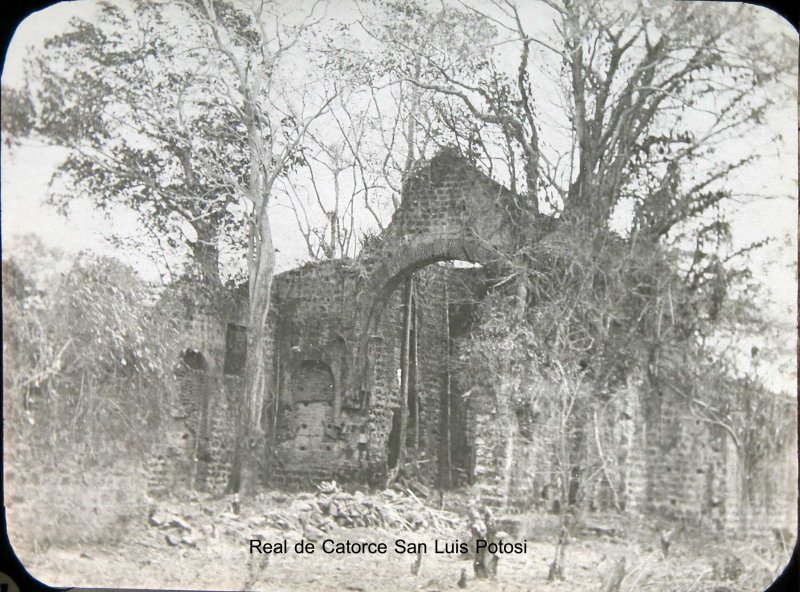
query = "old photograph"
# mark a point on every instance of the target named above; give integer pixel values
(401, 295)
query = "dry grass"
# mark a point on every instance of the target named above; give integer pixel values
(93, 530)
(65, 507)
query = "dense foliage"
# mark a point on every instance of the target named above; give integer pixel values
(88, 363)
(604, 315)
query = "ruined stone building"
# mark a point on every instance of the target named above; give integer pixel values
(348, 337)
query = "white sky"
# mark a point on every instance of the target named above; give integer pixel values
(26, 172)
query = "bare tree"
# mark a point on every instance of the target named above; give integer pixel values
(253, 42)
(336, 190)
(628, 103)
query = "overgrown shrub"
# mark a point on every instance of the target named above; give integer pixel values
(600, 310)
(88, 363)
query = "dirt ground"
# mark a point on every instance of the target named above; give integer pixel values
(200, 544)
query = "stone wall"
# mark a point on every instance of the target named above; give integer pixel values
(763, 496)
(315, 423)
(641, 451)
(318, 435)
(197, 448)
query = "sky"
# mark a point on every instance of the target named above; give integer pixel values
(27, 169)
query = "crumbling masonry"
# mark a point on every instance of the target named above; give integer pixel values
(359, 352)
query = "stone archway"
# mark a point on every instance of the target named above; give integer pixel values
(341, 312)
(387, 276)
(195, 389)
(449, 211)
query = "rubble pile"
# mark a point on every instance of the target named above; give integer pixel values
(388, 509)
(187, 523)
(176, 530)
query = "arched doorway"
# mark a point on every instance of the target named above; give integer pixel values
(387, 277)
(408, 369)
(188, 432)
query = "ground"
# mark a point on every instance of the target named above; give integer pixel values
(197, 542)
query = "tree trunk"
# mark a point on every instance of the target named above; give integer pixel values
(404, 372)
(250, 435)
(521, 298)
(413, 372)
(580, 191)
(412, 117)
(556, 570)
(446, 453)
(206, 254)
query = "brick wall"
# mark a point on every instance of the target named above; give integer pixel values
(641, 451)
(319, 440)
(198, 433)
